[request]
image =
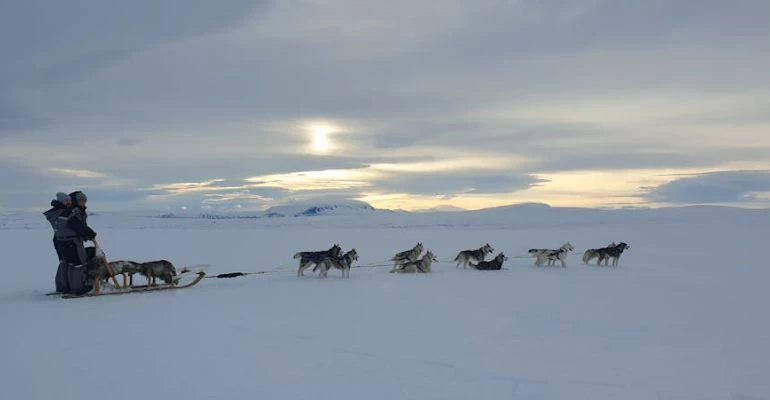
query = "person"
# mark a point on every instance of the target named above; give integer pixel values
(71, 231)
(58, 205)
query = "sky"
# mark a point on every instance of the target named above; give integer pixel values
(179, 104)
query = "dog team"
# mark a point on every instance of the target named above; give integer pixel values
(407, 261)
(411, 261)
(82, 267)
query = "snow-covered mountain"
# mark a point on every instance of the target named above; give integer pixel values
(315, 208)
(444, 208)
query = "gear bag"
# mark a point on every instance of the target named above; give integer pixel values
(78, 279)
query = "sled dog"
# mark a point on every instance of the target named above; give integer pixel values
(477, 255)
(612, 252)
(120, 267)
(422, 265)
(341, 263)
(590, 254)
(407, 255)
(551, 255)
(308, 258)
(494, 264)
(157, 269)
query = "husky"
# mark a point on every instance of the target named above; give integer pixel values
(550, 255)
(407, 256)
(494, 264)
(477, 255)
(537, 252)
(590, 254)
(613, 252)
(123, 268)
(422, 265)
(307, 258)
(567, 247)
(341, 263)
(157, 269)
(98, 272)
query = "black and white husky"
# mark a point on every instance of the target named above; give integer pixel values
(494, 264)
(341, 263)
(552, 255)
(422, 265)
(477, 255)
(590, 254)
(308, 258)
(612, 252)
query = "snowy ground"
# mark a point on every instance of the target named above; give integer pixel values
(684, 316)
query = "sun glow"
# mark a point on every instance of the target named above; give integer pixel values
(320, 139)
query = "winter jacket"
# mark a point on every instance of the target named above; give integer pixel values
(52, 215)
(75, 224)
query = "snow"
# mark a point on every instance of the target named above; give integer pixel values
(682, 317)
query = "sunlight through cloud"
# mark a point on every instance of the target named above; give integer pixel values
(78, 173)
(315, 180)
(320, 136)
(188, 187)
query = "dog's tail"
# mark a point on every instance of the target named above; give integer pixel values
(586, 256)
(297, 255)
(459, 256)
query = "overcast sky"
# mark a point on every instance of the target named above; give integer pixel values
(163, 104)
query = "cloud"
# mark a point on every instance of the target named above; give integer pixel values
(128, 141)
(394, 140)
(47, 45)
(59, 41)
(454, 183)
(187, 187)
(78, 173)
(712, 187)
(620, 157)
(522, 88)
(32, 187)
(330, 179)
(13, 120)
(211, 194)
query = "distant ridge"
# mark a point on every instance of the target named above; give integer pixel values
(357, 213)
(293, 209)
(316, 208)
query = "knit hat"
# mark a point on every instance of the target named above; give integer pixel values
(62, 197)
(78, 196)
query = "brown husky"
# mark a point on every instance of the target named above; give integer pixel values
(123, 268)
(407, 256)
(157, 269)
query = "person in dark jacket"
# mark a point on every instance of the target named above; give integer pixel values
(58, 206)
(71, 231)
